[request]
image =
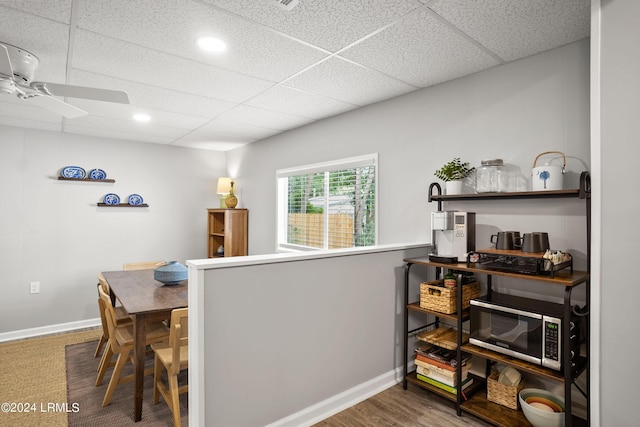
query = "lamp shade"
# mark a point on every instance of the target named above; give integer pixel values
(224, 185)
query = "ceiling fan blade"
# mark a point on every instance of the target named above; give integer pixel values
(52, 104)
(84, 92)
(5, 62)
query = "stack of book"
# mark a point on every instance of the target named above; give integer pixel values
(437, 366)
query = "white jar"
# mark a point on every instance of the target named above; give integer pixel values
(491, 177)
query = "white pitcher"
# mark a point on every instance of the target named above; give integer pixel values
(547, 177)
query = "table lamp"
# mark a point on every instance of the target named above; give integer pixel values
(224, 188)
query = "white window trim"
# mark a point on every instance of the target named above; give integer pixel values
(350, 162)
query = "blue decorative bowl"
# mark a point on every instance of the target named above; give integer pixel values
(171, 274)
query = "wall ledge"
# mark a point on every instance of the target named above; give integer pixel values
(213, 263)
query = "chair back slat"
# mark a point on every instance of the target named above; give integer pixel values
(147, 265)
(103, 318)
(178, 335)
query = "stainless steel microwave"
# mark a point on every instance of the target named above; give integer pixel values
(524, 328)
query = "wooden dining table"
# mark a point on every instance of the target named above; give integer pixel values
(146, 300)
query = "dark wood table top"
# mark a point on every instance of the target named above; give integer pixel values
(139, 292)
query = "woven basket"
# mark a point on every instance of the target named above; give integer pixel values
(443, 300)
(503, 394)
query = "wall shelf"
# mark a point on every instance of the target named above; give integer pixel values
(561, 277)
(514, 195)
(62, 178)
(123, 205)
(582, 193)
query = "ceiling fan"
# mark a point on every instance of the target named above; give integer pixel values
(17, 68)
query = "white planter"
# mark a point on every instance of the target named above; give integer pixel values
(453, 187)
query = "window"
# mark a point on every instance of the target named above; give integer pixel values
(328, 205)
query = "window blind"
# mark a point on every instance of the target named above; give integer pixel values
(328, 206)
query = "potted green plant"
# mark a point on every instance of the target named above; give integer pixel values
(452, 173)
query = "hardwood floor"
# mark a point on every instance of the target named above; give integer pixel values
(414, 407)
(394, 407)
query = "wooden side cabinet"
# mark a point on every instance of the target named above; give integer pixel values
(227, 228)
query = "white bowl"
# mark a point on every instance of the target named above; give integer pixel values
(542, 411)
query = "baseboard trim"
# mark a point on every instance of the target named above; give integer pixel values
(50, 329)
(331, 406)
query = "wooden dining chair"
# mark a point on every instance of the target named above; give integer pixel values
(121, 343)
(174, 358)
(147, 265)
(105, 361)
(122, 317)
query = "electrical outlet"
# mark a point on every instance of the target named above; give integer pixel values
(34, 288)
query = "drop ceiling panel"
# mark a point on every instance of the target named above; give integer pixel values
(102, 55)
(265, 118)
(252, 49)
(116, 133)
(13, 108)
(292, 101)
(422, 50)
(29, 123)
(46, 39)
(329, 24)
(349, 82)
(125, 112)
(228, 127)
(58, 10)
(212, 137)
(154, 97)
(208, 145)
(126, 126)
(516, 29)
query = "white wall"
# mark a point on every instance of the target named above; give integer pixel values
(52, 231)
(283, 339)
(514, 112)
(617, 150)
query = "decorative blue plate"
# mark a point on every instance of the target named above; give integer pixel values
(111, 199)
(135, 200)
(73, 172)
(97, 174)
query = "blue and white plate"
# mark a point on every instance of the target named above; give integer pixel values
(73, 172)
(111, 199)
(97, 174)
(135, 200)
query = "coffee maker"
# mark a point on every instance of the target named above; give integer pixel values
(454, 235)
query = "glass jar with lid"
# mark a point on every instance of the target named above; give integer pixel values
(491, 177)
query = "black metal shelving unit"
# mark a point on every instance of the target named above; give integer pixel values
(476, 403)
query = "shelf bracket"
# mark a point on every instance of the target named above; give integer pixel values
(436, 186)
(585, 185)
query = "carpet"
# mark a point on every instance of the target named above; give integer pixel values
(83, 394)
(34, 371)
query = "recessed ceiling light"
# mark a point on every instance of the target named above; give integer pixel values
(211, 44)
(141, 117)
